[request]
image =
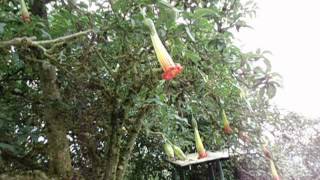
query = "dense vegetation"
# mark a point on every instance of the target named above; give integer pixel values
(81, 93)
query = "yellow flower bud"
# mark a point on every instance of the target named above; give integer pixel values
(168, 150)
(179, 153)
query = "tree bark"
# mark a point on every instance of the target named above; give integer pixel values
(114, 144)
(113, 156)
(126, 153)
(127, 150)
(58, 145)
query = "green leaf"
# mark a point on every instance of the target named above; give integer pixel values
(8, 147)
(271, 91)
(181, 119)
(189, 34)
(268, 64)
(262, 91)
(201, 12)
(2, 25)
(193, 56)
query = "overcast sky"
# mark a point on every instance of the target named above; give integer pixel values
(290, 29)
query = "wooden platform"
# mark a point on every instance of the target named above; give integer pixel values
(193, 158)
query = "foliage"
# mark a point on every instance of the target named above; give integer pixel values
(103, 89)
(296, 145)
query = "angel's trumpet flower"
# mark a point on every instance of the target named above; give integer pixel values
(274, 172)
(273, 168)
(168, 150)
(266, 152)
(199, 145)
(226, 126)
(170, 68)
(25, 16)
(179, 154)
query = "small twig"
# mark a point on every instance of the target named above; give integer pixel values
(104, 63)
(157, 133)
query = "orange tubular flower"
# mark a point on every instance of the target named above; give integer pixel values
(25, 16)
(170, 68)
(226, 126)
(199, 145)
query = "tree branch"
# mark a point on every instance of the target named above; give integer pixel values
(64, 38)
(126, 153)
(30, 41)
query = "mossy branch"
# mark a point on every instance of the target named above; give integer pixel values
(31, 41)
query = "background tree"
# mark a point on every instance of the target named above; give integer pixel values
(82, 94)
(296, 145)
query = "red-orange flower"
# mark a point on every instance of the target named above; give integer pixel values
(170, 68)
(226, 126)
(25, 16)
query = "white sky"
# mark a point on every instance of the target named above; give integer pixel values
(290, 29)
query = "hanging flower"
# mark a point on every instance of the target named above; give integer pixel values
(168, 150)
(266, 152)
(199, 145)
(179, 154)
(170, 68)
(273, 168)
(274, 172)
(226, 126)
(25, 16)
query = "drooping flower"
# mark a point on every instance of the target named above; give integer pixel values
(170, 68)
(199, 145)
(25, 16)
(179, 153)
(273, 168)
(168, 150)
(226, 126)
(274, 172)
(266, 152)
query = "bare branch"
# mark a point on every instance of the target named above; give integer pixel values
(30, 41)
(64, 38)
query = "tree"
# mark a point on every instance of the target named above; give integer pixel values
(296, 145)
(82, 94)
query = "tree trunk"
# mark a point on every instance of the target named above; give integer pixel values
(126, 154)
(113, 156)
(127, 150)
(58, 145)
